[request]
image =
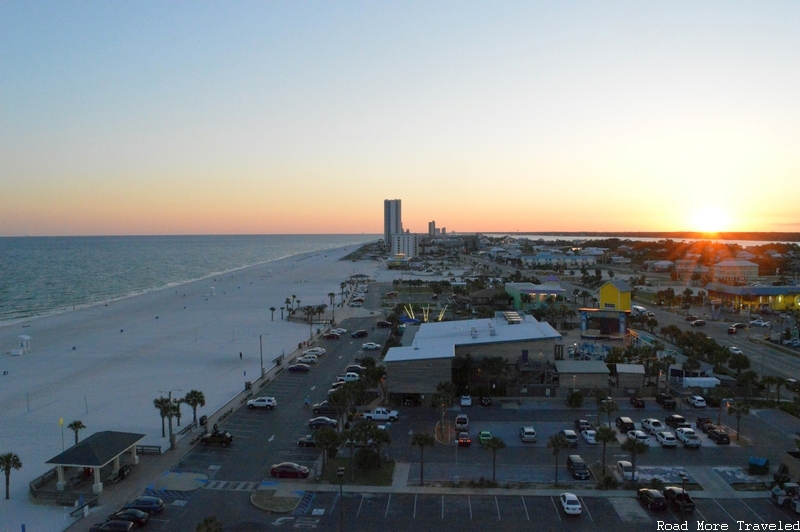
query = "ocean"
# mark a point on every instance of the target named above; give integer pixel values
(42, 275)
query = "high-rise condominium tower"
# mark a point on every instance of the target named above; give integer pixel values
(392, 220)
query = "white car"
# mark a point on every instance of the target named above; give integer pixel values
(589, 436)
(666, 439)
(759, 323)
(570, 504)
(625, 469)
(339, 331)
(527, 434)
(735, 350)
(356, 304)
(316, 351)
(638, 435)
(371, 346)
(697, 401)
(688, 437)
(466, 400)
(653, 426)
(262, 402)
(308, 359)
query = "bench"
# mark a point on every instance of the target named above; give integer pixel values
(148, 449)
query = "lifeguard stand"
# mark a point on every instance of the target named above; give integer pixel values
(25, 343)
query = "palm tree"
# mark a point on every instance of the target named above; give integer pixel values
(494, 444)
(289, 306)
(9, 461)
(331, 295)
(328, 440)
(194, 399)
(605, 435)
(272, 311)
(422, 440)
(342, 285)
(634, 447)
(738, 410)
(557, 443)
(298, 303)
(76, 426)
(164, 407)
(293, 298)
(608, 407)
(281, 312)
(176, 409)
(309, 313)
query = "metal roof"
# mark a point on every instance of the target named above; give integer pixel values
(98, 449)
(581, 366)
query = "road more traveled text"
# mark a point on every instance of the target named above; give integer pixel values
(740, 525)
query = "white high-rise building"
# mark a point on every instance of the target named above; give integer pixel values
(406, 244)
(392, 220)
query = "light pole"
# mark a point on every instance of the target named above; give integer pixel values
(684, 478)
(171, 434)
(340, 474)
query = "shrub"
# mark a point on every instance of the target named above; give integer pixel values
(366, 459)
(575, 399)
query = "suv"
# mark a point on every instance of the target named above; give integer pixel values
(696, 401)
(666, 401)
(624, 424)
(527, 434)
(570, 436)
(677, 421)
(577, 467)
(359, 334)
(678, 499)
(653, 499)
(218, 437)
(637, 402)
(325, 409)
(262, 402)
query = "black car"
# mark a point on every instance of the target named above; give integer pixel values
(677, 421)
(719, 436)
(698, 323)
(359, 334)
(322, 421)
(324, 409)
(691, 318)
(218, 437)
(307, 441)
(113, 526)
(582, 424)
(149, 505)
(637, 402)
(137, 517)
(299, 368)
(653, 499)
(704, 423)
(384, 324)
(679, 499)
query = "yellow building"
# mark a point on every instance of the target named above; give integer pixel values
(615, 295)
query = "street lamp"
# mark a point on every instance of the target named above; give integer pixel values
(171, 434)
(340, 474)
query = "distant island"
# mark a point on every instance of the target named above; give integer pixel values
(673, 235)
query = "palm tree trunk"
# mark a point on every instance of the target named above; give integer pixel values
(163, 430)
(421, 465)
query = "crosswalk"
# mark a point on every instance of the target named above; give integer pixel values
(231, 485)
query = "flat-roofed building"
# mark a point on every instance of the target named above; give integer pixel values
(735, 271)
(582, 374)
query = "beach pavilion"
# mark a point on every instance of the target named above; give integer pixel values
(94, 453)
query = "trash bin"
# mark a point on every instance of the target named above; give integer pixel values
(248, 385)
(203, 420)
(758, 466)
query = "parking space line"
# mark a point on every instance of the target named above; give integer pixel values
(583, 503)
(558, 514)
(469, 500)
(442, 506)
(497, 505)
(726, 511)
(526, 507)
(748, 507)
(359, 505)
(415, 506)
(701, 514)
(389, 500)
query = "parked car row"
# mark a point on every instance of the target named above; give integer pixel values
(132, 516)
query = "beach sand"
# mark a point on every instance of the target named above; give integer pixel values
(105, 364)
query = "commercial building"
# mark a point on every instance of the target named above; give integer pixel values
(406, 245)
(735, 271)
(392, 220)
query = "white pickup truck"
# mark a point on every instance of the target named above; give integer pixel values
(381, 414)
(350, 376)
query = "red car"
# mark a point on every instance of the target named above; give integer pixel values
(289, 470)
(332, 336)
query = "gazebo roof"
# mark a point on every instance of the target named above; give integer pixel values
(98, 449)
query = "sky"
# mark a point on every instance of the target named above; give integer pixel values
(127, 118)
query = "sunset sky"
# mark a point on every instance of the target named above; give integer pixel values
(302, 117)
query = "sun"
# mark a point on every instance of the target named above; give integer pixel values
(710, 220)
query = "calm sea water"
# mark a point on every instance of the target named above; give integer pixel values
(40, 275)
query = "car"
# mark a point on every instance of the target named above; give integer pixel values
(322, 421)
(735, 350)
(679, 499)
(308, 359)
(738, 325)
(666, 439)
(218, 437)
(759, 323)
(719, 436)
(677, 421)
(698, 323)
(792, 385)
(704, 423)
(262, 402)
(624, 424)
(637, 402)
(361, 333)
(337, 384)
(484, 437)
(582, 424)
(711, 400)
(696, 401)
(371, 346)
(316, 351)
(462, 422)
(652, 499)
(577, 466)
(355, 368)
(324, 408)
(113, 526)
(691, 318)
(299, 368)
(464, 439)
(571, 436)
(147, 504)
(356, 303)
(137, 517)
(639, 435)
(589, 436)
(384, 324)
(570, 504)
(289, 470)
(688, 437)
(625, 469)
(652, 426)
(486, 400)
(331, 336)
(339, 331)
(527, 434)
(732, 330)
(466, 400)
(307, 441)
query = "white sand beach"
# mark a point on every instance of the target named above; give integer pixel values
(105, 364)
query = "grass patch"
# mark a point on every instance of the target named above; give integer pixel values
(372, 477)
(266, 500)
